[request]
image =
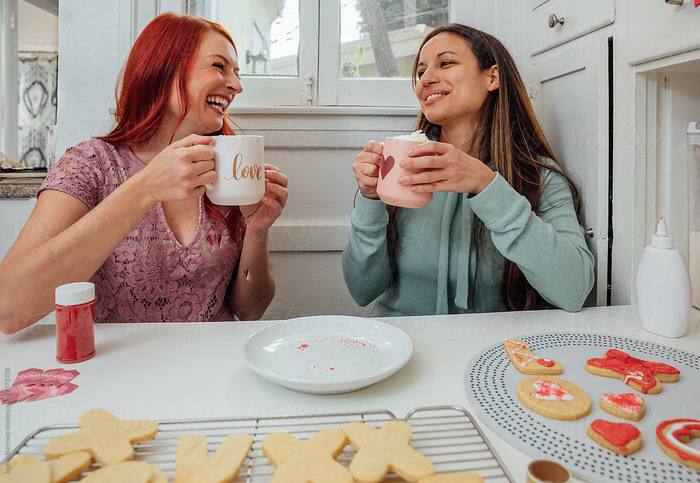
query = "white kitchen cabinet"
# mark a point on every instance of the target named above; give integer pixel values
(656, 29)
(13, 215)
(555, 22)
(569, 89)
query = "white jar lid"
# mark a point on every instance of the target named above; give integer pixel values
(75, 293)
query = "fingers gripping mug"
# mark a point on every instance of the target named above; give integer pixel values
(239, 162)
(389, 190)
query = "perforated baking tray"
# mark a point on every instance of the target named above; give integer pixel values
(490, 382)
(447, 435)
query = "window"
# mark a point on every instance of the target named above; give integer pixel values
(260, 56)
(326, 53)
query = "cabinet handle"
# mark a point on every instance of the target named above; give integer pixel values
(588, 232)
(674, 2)
(554, 20)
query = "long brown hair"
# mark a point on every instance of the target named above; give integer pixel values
(163, 53)
(511, 139)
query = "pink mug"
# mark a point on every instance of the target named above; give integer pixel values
(388, 187)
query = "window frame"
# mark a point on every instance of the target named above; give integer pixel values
(265, 91)
(319, 82)
(334, 90)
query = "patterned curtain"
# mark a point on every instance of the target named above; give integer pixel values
(38, 100)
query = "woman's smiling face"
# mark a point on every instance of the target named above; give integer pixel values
(212, 83)
(449, 85)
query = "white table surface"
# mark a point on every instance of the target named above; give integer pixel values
(181, 371)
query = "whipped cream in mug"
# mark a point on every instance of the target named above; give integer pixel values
(414, 136)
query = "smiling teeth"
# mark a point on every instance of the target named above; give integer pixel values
(433, 96)
(218, 101)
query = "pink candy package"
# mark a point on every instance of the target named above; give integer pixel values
(35, 384)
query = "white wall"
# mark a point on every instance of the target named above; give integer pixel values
(90, 60)
(315, 147)
(37, 29)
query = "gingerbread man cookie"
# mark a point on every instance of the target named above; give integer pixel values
(311, 461)
(26, 469)
(31, 470)
(622, 438)
(380, 451)
(526, 362)
(192, 463)
(105, 437)
(673, 437)
(553, 397)
(131, 471)
(640, 375)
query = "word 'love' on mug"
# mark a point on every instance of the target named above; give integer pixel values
(239, 162)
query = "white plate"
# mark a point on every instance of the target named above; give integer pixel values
(327, 354)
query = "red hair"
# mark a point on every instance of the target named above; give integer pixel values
(164, 53)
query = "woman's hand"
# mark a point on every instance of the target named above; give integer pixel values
(260, 216)
(447, 169)
(366, 168)
(181, 170)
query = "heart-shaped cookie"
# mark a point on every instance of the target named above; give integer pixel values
(387, 164)
(629, 402)
(629, 406)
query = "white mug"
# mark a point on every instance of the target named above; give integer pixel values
(239, 162)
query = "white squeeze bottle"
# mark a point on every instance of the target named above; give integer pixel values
(663, 286)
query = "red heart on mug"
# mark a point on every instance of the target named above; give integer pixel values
(387, 164)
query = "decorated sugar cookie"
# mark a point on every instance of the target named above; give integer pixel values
(528, 363)
(628, 406)
(553, 397)
(673, 437)
(640, 375)
(622, 438)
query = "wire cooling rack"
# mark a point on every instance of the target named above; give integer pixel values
(447, 435)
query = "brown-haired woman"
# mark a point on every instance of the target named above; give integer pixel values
(501, 232)
(127, 211)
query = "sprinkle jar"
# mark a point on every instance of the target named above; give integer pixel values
(75, 322)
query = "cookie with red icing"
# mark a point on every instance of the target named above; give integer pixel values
(553, 397)
(673, 437)
(528, 363)
(628, 406)
(622, 438)
(640, 375)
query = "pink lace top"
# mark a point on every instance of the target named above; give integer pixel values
(150, 276)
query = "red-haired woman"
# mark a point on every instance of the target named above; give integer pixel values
(501, 231)
(127, 211)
